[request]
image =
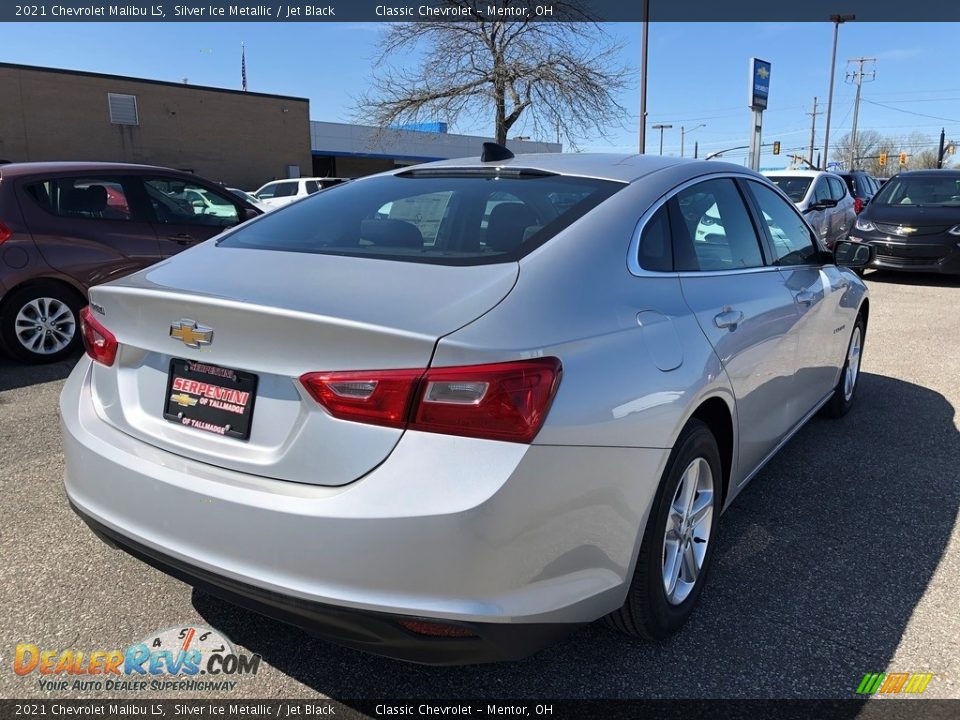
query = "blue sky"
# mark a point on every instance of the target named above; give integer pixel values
(698, 72)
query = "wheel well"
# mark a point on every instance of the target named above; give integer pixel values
(865, 311)
(45, 281)
(716, 415)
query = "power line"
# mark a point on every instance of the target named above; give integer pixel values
(910, 112)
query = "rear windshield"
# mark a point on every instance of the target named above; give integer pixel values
(454, 219)
(795, 187)
(920, 192)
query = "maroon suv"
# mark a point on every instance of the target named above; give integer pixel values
(66, 226)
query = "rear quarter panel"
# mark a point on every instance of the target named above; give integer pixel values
(624, 384)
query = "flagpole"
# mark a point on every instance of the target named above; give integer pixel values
(243, 65)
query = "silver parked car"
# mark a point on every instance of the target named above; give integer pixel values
(451, 412)
(822, 197)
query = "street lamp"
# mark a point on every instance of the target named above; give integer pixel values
(837, 20)
(661, 127)
(684, 131)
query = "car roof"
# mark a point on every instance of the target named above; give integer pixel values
(922, 173)
(800, 173)
(34, 168)
(796, 173)
(602, 166)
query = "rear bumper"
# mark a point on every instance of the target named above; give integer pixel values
(470, 531)
(372, 632)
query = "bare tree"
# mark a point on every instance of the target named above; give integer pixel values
(866, 152)
(558, 77)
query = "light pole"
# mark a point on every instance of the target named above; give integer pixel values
(661, 127)
(684, 131)
(643, 76)
(837, 20)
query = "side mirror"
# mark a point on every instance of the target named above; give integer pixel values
(847, 253)
(249, 214)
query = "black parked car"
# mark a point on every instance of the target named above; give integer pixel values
(861, 186)
(914, 222)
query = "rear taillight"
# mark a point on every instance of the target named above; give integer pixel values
(504, 401)
(377, 397)
(99, 342)
(858, 204)
(5, 233)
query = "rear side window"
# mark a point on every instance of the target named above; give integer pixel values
(456, 218)
(312, 186)
(656, 247)
(715, 221)
(94, 198)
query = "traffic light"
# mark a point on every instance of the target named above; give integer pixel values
(776, 147)
(883, 159)
(903, 158)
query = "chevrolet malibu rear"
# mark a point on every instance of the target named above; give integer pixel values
(450, 413)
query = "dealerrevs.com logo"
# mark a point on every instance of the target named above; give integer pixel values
(187, 658)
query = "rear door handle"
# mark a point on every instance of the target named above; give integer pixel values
(804, 297)
(728, 319)
(181, 239)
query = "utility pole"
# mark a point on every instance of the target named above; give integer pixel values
(661, 127)
(696, 149)
(837, 21)
(857, 76)
(813, 128)
(943, 140)
(645, 34)
(683, 133)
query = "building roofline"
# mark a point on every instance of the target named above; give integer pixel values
(128, 78)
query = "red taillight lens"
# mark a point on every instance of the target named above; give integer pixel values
(99, 342)
(377, 397)
(5, 233)
(504, 401)
(858, 204)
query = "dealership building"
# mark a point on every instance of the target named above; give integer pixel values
(240, 138)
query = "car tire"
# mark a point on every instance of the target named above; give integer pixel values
(40, 323)
(844, 394)
(661, 596)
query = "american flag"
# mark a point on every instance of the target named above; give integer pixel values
(243, 65)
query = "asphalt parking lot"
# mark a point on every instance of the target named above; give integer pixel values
(841, 558)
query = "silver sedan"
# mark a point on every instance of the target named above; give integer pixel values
(451, 412)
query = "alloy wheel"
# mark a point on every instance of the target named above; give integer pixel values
(45, 325)
(687, 533)
(853, 365)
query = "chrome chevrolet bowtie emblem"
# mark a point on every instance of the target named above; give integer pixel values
(191, 334)
(903, 230)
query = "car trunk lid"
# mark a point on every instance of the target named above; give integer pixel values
(224, 318)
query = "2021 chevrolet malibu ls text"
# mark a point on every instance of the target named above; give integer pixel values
(451, 412)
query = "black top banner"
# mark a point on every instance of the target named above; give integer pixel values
(490, 11)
